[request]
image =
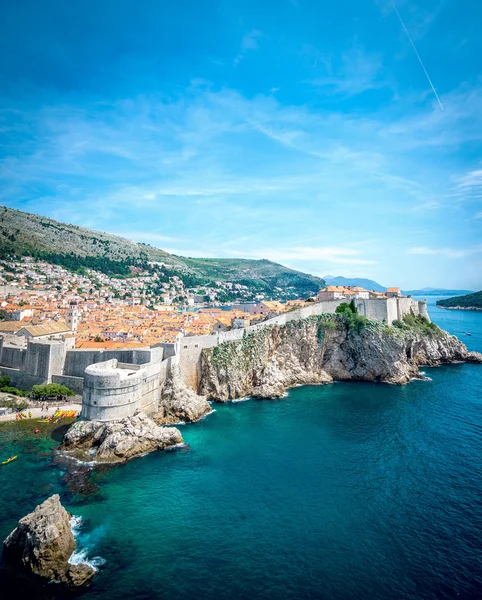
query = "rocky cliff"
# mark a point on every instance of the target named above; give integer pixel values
(178, 402)
(322, 349)
(42, 544)
(118, 441)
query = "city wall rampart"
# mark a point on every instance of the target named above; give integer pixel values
(117, 383)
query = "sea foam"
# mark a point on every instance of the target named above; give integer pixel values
(85, 543)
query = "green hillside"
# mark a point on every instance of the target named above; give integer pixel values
(467, 301)
(73, 247)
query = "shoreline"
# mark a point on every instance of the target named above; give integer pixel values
(472, 308)
(37, 412)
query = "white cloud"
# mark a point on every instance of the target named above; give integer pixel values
(328, 254)
(468, 186)
(357, 73)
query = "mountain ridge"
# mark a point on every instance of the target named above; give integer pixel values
(28, 234)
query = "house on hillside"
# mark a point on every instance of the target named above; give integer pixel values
(340, 292)
(48, 330)
(331, 292)
(222, 324)
(10, 327)
(268, 309)
(393, 292)
(241, 322)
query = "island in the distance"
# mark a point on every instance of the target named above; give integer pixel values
(467, 302)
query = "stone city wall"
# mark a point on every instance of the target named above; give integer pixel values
(190, 347)
(132, 379)
(78, 360)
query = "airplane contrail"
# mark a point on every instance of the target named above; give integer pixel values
(418, 56)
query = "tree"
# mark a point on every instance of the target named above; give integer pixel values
(5, 381)
(50, 391)
(344, 308)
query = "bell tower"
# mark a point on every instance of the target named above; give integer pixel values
(73, 316)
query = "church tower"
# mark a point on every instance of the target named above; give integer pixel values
(73, 316)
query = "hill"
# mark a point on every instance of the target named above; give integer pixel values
(74, 247)
(368, 284)
(437, 292)
(468, 301)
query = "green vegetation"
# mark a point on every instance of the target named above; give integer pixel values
(51, 391)
(350, 316)
(48, 391)
(412, 321)
(6, 388)
(468, 301)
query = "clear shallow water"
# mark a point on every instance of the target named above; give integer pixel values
(345, 491)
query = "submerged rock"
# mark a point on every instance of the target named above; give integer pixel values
(118, 441)
(42, 544)
(323, 349)
(178, 402)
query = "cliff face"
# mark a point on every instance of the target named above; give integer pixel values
(42, 545)
(322, 349)
(178, 402)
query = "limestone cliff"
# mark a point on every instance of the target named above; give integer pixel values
(118, 441)
(178, 402)
(322, 349)
(42, 544)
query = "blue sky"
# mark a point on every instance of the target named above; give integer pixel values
(301, 131)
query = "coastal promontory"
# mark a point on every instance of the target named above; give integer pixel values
(326, 348)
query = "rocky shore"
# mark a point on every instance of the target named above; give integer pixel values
(118, 441)
(41, 546)
(323, 349)
(179, 403)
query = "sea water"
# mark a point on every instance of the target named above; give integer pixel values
(344, 491)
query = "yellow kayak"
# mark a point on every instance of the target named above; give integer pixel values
(9, 460)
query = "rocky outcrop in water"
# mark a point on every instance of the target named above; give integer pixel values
(41, 546)
(322, 349)
(119, 441)
(178, 402)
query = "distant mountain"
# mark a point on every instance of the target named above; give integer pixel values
(368, 284)
(73, 247)
(468, 301)
(437, 292)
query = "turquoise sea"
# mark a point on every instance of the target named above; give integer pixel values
(346, 491)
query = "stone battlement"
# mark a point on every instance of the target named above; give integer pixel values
(117, 383)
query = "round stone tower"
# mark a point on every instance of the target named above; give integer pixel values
(422, 309)
(111, 392)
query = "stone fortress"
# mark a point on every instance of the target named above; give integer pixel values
(117, 383)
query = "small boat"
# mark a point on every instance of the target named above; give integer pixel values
(468, 333)
(9, 460)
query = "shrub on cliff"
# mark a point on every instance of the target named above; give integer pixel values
(351, 317)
